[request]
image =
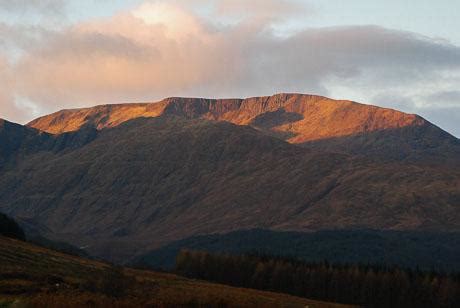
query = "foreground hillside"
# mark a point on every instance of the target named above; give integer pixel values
(37, 277)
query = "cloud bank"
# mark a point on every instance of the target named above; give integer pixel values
(164, 48)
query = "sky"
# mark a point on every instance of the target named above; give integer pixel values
(58, 54)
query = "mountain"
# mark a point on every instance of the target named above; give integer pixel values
(123, 180)
(32, 276)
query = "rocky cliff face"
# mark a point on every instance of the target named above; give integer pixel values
(299, 118)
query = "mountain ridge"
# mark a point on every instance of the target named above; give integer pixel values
(310, 121)
(305, 110)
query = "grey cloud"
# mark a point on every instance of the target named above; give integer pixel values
(81, 45)
(443, 109)
(446, 98)
(432, 107)
(41, 6)
(364, 56)
(395, 100)
(8, 109)
(351, 49)
(22, 37)
(446, 118)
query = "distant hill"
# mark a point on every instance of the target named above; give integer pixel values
(32, 276)
(123, 180)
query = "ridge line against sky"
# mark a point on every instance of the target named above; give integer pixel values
(58, 54)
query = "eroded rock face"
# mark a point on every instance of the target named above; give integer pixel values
(298, 118)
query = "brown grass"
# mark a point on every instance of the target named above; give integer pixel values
(32, 276)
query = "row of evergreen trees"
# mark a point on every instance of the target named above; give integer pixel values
(9, 228)
(369, 286)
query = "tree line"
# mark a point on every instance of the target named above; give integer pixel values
(9, 228)
(365, 285)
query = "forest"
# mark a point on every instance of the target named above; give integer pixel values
(365, 285)
(406, 249)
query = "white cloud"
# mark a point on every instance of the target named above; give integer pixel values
(164, 48)
(175, 22)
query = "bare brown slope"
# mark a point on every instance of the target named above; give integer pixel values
(295, 117)
(150, 181)
(100, 117)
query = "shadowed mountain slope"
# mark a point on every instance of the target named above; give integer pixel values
(17, 142)
(146, 182)
(13, 138)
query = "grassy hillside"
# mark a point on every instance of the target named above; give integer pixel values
(38, 277)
